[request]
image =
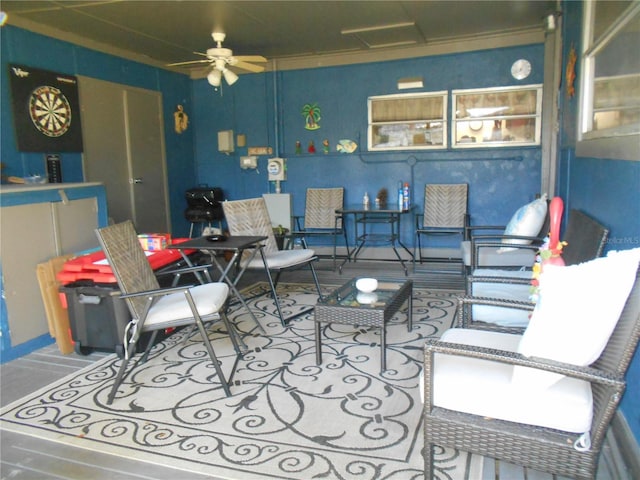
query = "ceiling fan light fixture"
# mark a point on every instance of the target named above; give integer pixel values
(214, 78)
(229, 76)
(219, 58)
(218, 37)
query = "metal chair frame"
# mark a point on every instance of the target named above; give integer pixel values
(140, 290)
(585, 238)
(321, 220)
(490, 238)
(445, 212)
(251, 217)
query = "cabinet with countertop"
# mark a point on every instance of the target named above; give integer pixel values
(37, 223)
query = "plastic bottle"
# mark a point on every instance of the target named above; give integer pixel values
(365, 199)
(405, 197)
(400, 195)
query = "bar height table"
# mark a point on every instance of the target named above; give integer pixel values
(365, 216)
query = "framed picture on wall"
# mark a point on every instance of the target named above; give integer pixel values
(46, 110)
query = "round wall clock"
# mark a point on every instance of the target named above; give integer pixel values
(50, 111)
(476, 125)
(521, 69)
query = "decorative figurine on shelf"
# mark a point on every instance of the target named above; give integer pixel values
(311, 114)
(298, 147)
(311, 148)
(181, 119)
(381, 198)
(325, 145)
(346, 146)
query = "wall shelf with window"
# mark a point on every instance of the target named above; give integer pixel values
(497, 117)
(408, 122)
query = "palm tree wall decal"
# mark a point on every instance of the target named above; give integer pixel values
(311, 113)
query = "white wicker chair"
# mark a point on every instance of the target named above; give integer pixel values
(320, 218)
(444, 213)
(251, 217)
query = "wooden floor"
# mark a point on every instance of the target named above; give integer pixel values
(28, 458)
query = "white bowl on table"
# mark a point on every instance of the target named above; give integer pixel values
(366, 285)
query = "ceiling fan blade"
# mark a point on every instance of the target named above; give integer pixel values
(191, 62)
(248, 66)
(251, 58)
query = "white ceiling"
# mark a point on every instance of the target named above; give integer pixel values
(162, 32)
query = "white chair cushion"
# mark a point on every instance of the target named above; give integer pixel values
(173, 309)
(484, 388)
(492, 272)
(490, 256)
(576, 313)
(527, 221)
(282, 258)
(506, 317)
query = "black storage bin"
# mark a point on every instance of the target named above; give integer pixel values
(97, 316)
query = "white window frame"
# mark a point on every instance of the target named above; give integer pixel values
(620, 141)
(443, 95)
(537, 116)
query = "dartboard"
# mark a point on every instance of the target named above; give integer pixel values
(46, 110)
(50, 111)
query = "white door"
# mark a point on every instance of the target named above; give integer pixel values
(124, 149)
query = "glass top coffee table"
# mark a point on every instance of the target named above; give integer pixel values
(346, 305)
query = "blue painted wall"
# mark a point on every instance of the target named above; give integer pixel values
(606, 189)
(267, 108)
(38, 51)
(609, 191)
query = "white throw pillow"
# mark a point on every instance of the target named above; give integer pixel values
(578, 309)
(527, 221)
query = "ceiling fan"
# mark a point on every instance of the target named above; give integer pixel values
(220, 58)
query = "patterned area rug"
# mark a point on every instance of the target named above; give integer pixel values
(288, 417)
